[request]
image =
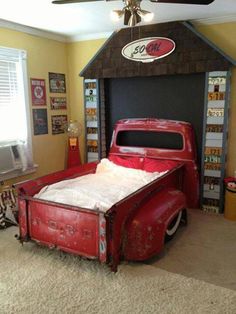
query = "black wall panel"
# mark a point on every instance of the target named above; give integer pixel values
(176, 97)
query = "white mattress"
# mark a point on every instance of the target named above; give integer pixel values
(100, 190)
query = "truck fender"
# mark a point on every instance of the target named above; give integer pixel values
(145, 230)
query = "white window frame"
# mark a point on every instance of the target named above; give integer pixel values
(27, 165)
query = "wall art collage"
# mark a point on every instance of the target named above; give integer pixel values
(57, 85)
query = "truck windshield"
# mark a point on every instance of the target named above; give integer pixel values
(151, 139)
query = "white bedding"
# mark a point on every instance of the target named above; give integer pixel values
(100, 190)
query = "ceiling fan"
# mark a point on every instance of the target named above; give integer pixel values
(132, 12)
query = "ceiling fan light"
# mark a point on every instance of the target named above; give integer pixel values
(132, 20)
(116, 15)
(145, 15)
(149, 17)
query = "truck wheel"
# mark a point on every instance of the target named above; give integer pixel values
(173, 226)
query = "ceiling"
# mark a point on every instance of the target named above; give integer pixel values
(92, 20)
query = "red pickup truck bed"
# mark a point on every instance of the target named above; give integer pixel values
(134, 228)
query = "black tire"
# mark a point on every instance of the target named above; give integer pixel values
(174, 225)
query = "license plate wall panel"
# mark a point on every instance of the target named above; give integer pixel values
(214, 142)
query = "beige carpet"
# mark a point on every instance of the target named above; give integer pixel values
(205, 250)
(37, 280)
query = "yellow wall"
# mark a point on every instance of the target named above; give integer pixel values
(223, 36)
(44, 55)
(79, 54)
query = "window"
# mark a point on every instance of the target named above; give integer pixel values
(151, 139)
(15, 136)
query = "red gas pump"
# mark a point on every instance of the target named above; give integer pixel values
(74, 131)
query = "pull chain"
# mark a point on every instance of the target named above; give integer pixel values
(139, 63)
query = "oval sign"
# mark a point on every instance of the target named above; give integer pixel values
(148, 49)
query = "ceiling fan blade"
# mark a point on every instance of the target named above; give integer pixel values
(72, 1)
(201, 2)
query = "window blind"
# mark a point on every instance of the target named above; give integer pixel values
(15, 134)
(13, 122)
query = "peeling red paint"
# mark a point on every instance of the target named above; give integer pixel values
(135, 227)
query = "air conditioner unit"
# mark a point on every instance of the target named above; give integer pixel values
(10, 159)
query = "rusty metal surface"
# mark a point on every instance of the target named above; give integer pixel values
(23, 219)
(124, 211)
(145, 231)
(133, 228)
(68, 230)
(186, 155)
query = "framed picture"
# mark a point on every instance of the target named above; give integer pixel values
(58, 103)
(57, 83)
(40, 121)
(59, 124)
(38, 92)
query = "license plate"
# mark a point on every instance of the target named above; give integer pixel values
(90, 85)
(216, 128)
(211, 209)
(212, 159)
(212, 166)
(215, 112)
(92, 143)
(91, 98)
(92, 130)
(216, 96)
(211, 202)
(91, 111)
(216, 151)
(217, 80)
(211, 180)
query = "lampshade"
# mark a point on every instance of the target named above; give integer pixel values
(133, 19)
(116, 15)
(145, 15)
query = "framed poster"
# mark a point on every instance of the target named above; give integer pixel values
(38, 92)
(40, 121)
(58, 103)
(57, 83)
(59, 124)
